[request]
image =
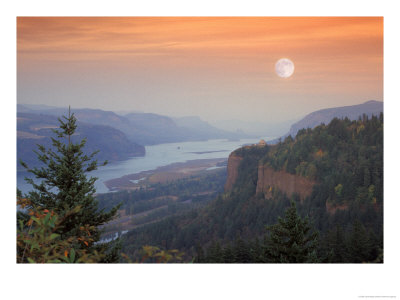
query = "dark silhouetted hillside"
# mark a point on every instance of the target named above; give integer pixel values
(33, 129)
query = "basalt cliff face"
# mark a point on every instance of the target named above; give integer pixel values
(288, 183)
(268, 178)
(232, 170)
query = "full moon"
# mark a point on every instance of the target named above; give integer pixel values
(284, 67)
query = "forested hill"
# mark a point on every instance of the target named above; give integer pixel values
(352, 112)
(343, 160)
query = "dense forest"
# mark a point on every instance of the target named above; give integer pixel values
(195, 220)
(194, 189)
(157, 201)
(345, 208)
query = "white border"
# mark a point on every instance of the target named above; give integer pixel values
(200, 281)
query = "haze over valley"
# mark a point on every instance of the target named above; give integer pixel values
(137, 142)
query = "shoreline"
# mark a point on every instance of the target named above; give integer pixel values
(164, 174)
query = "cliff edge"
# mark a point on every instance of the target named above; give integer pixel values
(268, 178)
(288, 183)
(232, 170)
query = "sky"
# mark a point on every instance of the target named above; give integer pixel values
(213, 67)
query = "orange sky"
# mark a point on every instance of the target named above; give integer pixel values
(182, 66)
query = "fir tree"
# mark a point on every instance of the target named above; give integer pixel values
(359, 244)
(199, 258)
(333, 247)
(65, 186)
(228, 255)
(214, 253)
(256, 251)
(291, 240)
(241, 252)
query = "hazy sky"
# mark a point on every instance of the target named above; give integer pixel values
(217, 68)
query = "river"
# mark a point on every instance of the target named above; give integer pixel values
(158, 156)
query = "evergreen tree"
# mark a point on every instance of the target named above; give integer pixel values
(291, 240)
(228, 255)
(64, 186)
(199, 258)
(359, 244)
(241, 252)
(256, 251)
(38, 242)
(339, 245)
(214, 253)
(376, 247)
(333, 246)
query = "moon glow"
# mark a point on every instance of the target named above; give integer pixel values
(284, 68)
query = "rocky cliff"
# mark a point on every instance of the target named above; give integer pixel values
(268, 178)
(232, 169)
(288, 183)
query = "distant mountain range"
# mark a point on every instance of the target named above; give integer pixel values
(118, 137)
(353, 112)
(258, 129)
(143, 128)
(33, 129)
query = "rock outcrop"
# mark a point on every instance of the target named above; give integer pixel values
(232, 170)
(288, 183)
(332, 208)
(262, 143)
(268, 178)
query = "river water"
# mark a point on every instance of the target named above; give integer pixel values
(158, 156)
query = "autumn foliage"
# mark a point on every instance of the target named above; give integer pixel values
(39, 242)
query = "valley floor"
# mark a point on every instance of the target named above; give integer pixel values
(165, 174)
